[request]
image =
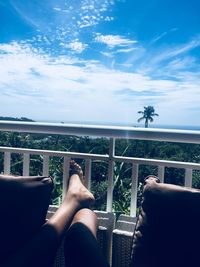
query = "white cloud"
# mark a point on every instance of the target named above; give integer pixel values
(175, 51)
(14, 48)
(114, 40)
(167, 62)
(62, 21)
(109, 18)
(91, 13)
(57, 9)
(76, 46)
(23, 14)
(126, 50)
(157, 38)
(160, 36)
(183, 63)
(64, 89)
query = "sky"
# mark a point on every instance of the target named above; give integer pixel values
(100, 61)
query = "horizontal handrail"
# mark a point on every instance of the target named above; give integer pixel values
(184, 136)
(54, 153)
(158, 162)
(85, 156)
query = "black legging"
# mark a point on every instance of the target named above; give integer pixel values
(81, 248)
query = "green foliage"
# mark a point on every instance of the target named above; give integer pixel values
(196, 179)
(122, 171)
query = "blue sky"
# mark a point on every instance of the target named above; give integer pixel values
(100, 61)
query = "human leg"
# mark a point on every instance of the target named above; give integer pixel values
(40, 250)
(88, 218)
(81, 246)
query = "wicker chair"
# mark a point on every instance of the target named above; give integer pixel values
(106, 224)
(122, 241)
(163, 236)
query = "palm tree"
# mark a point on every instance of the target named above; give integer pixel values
(148, 114)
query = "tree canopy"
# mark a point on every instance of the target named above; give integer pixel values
(147, 114)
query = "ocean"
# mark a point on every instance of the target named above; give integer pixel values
(177, 127)
(151, 125)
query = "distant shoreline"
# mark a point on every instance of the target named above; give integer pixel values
(151, 125)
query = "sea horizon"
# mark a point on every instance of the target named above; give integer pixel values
(136, 125)
(120, 124)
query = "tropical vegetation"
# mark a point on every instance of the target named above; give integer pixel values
(147, 115)
(122, 171)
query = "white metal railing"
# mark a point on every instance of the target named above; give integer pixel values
(112, 133)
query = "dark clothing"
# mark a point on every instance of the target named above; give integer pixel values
(81, 248)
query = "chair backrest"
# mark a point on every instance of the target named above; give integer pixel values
(122, 241)
(106, 224)
(24, 203)
(168, 229)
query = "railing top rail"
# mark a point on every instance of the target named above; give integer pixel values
(145, 161)
(54, 153)
(184, 136)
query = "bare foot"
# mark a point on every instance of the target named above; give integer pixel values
(76, 190)
(75, 168)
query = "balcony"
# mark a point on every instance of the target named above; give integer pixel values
(112, 134)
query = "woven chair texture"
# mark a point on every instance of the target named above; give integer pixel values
(60, 258)
(106, 224)
(122, 241)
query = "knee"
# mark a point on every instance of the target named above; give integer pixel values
(84, 215)
(88, 218)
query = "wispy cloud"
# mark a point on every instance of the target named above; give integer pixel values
(114, 40)
(57, 9)
(63, 22)
(23, 15)
(76, 46)
(160, 36)
(126, 50)
(184, 63)
(177, 50)
(168, 61)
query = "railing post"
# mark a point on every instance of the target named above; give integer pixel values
(26, 164)
(134, 188)
(65, 175)
(110, 175)
(188, 177)
(161, 173)
(88, 173)
(45, 170)
(6, 162)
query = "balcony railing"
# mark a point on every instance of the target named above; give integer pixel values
(101, 131)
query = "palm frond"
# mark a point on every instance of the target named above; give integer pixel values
(140, 119)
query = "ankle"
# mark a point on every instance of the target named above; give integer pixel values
(71, 199)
